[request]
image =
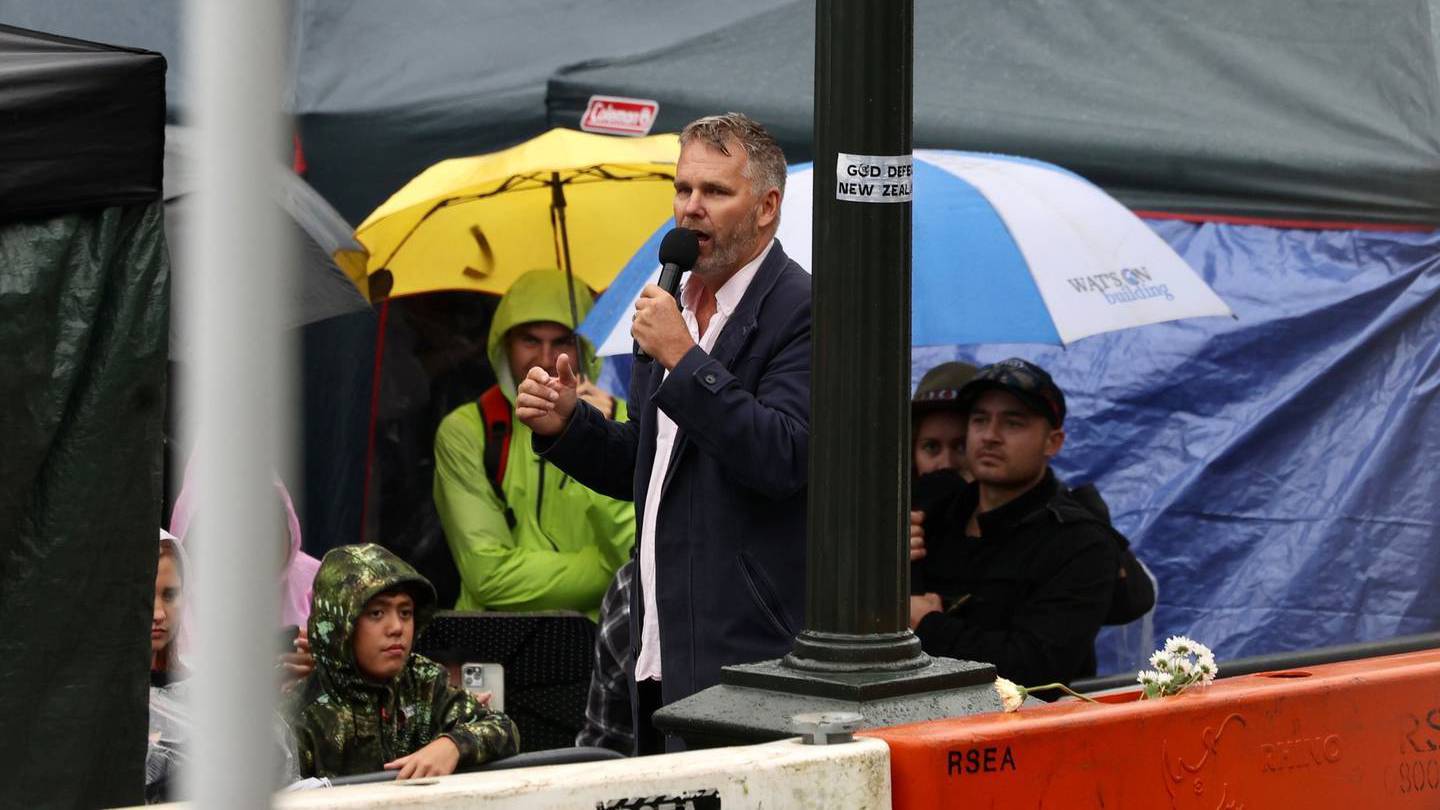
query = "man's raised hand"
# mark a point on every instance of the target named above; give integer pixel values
(545, 403)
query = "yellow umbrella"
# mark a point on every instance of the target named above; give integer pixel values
(582, 202)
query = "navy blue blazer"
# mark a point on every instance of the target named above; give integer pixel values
(730, 540)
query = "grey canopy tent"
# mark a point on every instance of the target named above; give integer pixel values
(381, 90)
(1279, 110)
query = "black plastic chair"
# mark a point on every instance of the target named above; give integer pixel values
(547, 657)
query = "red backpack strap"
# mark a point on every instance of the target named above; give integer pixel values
(495, 415)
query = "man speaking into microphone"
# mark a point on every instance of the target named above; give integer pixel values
(716, 460)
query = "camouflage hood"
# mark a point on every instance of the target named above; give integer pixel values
(349, 577)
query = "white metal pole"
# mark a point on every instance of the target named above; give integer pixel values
(237, 387)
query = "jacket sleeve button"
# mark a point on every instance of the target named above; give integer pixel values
(710, 379)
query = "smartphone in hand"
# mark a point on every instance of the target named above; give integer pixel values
(477, 678)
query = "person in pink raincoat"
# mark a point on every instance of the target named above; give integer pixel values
(297, 575)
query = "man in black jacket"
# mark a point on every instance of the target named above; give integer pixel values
(1022, 574)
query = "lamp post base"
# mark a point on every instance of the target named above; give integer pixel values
(754, 702)
(817, 651)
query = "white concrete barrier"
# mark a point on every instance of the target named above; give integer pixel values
(786, 775)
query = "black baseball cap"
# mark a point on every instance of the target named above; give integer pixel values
(1029, 383)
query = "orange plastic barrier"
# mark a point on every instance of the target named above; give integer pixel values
(1354, 735)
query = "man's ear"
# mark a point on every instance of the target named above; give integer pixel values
(1054, 442)
(769, 208)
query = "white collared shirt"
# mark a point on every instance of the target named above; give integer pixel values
(647, 663)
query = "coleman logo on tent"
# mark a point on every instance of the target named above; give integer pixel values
(620, 116)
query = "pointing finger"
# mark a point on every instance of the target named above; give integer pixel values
(565, 371)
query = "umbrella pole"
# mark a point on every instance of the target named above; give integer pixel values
(557, 213)
(557, 205)
(374, 413)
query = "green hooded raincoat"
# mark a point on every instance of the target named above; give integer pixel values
(340, 722)
(568, 541)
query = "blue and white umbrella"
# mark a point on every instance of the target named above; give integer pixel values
(1006, 250)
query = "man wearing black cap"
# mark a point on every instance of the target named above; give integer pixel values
(1023, 575)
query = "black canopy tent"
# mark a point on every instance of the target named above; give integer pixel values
(1289, 110)
(83, 324)
(56, 95)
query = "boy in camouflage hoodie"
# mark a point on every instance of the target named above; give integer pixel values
(371, 703)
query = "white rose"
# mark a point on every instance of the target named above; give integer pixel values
(1011, 694)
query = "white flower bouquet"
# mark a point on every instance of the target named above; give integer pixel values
(1179, 665)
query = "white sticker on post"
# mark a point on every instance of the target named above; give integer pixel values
(874, 178)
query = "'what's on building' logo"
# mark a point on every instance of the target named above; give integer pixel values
(1127, 285)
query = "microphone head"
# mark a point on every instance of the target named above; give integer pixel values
(680, 247)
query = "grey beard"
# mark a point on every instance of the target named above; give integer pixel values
(727, 259)
(719, 262)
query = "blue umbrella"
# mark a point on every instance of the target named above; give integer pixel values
(1006, 250)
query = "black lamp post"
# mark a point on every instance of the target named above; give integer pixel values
(858, 563)
(857, 653)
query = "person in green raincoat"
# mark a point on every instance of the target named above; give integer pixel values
(371, 703)
(526, 536)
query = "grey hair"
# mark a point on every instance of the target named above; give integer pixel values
(766, 165)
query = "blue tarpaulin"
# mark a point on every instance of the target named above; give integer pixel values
(1278, 472)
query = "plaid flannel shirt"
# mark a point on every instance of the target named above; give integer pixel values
(608, 722)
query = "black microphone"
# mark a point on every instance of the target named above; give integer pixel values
(678, 252)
